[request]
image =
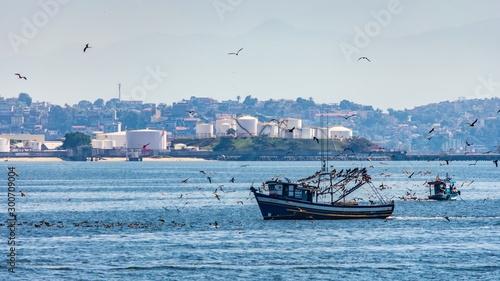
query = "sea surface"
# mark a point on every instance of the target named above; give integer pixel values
(138, 221)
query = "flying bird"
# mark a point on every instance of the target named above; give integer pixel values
(349, 116)
(185, 181)
(315, 138)
(20, 77)
(429, 138)
(364, 58)
(474, 163)
(144, 146)
(432, 130)
(23, 194)
(447, 218)
(236, 52)
(473, 123)
(209, 179)
(467, 143)
(291, 130)
(86, 47)
(231, 180)
(495, 162)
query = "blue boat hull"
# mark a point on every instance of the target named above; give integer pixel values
(443, 197)
(275, 208)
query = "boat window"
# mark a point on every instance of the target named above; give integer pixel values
(278, 187)
(272, 187)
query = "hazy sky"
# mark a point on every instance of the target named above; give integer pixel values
(164, 51)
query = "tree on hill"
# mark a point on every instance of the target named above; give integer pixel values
(72, 140)
(249, 101)
(356, 144)
(23, 97)
(99, 103)
(225, 144)
(84, 104)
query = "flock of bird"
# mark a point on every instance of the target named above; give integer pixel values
(409, 195)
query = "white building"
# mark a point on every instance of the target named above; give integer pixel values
(204, 130)
(268, 128)
(246, 126)
(154, 139)
(4, 145)
(120, 138)
(339, 132)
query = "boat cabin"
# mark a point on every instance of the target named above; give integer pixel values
(290, 190)
(442, 189)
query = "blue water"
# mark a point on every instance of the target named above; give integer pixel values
(416, 243)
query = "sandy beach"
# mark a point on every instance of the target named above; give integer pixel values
(105, 159)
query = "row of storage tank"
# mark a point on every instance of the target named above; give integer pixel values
(250, 126)
(31, 145)
(136, 139)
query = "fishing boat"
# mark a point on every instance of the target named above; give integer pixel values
(306, 198)
(443, 189)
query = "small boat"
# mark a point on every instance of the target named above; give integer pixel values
(443, 189)
(299, 200)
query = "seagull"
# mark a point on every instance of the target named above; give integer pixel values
(20, 77)
(496, 162)
(447, 218)
(23, 194)
(209, 179)
(429, 138)
(474, 163)
(86, 47)
(315, 138)
(291, 130)
(472, 124)
(236, 52)
(467, 143)
(232, 180)
(185, 181)
(364, 58)
(432, 130)
(144, 146)
(349, 116)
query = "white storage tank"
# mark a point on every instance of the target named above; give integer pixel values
(292, 122)
(288, 124)
(155, 139)
(340, 132)
(246, 126)
(33, 145)
(321, 133)
(269, 129)
(4, 145)
(307, 133)
(99, 144)
(120, 138)
(221, 125)
(109, 144)
(204, 130)
(223, 129)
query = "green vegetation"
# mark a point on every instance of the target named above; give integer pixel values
(265, 143)
(72, 140)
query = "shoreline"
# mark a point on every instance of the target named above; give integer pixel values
(105, 159)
